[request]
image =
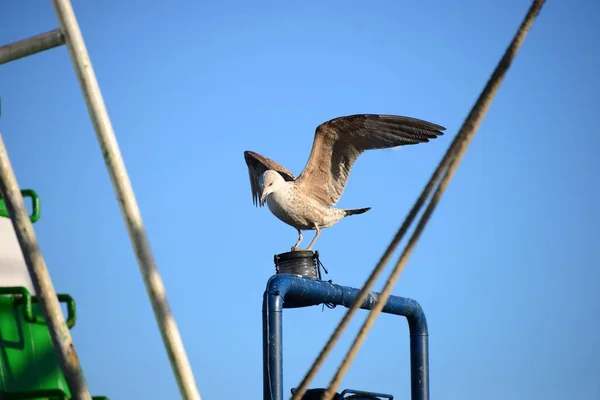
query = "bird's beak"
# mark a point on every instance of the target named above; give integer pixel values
(263, 198)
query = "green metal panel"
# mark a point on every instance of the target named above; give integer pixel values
(28, 363)
(28, 366)
(35, 205)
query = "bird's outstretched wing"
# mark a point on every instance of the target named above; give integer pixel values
(339, 142)
(257, 165)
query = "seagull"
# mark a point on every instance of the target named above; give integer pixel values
(306, 202)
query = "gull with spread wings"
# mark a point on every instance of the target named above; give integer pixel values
(306, 202)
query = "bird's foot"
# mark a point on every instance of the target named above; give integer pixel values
(295, 248)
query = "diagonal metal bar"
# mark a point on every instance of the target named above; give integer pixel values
(126, 198)
(59, 332)
(32, 45)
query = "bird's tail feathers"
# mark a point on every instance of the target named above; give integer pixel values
(356, 211)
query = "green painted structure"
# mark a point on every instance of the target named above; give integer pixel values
(29, 367)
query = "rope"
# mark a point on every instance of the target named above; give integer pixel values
(449, 164)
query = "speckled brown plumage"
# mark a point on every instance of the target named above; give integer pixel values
(306, 202)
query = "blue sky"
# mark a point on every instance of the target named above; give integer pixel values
(507, 270)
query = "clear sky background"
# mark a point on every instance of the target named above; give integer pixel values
(507, 270)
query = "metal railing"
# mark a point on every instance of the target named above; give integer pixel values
(281, 292)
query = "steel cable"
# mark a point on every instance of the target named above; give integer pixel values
(448, 166)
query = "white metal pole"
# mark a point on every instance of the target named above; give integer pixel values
(59, 332)
(126, 198)
(32, 45)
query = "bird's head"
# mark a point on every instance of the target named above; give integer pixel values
(270, 182)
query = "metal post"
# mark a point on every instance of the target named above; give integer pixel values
(419, 367)
(59, 332)
(283, 287)
(272, 346)
(32, 45)
(126, 198)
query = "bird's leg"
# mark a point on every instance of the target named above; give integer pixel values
(299, 240)
(315, 238)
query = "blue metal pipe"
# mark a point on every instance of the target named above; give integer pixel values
(272, 346)
(288, 291)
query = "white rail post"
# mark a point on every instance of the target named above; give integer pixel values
(32, 45)
(126, 198)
